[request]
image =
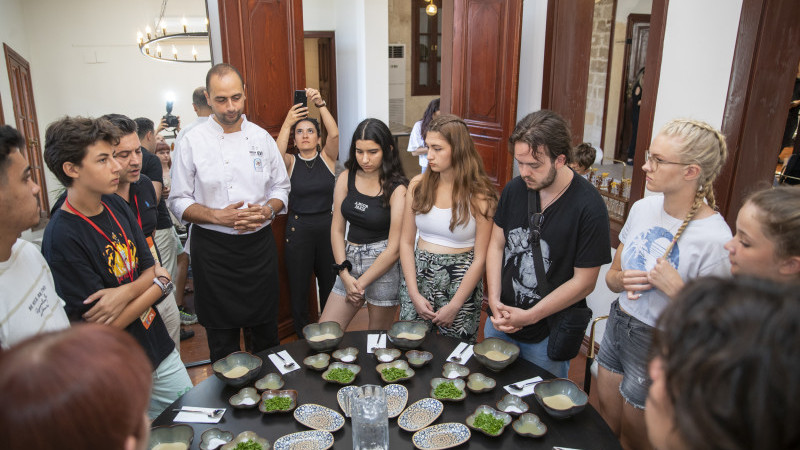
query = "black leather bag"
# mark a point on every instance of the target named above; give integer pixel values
(568, 326)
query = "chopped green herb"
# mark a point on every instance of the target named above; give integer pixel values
(488, 423)
(277, 403)
(447, 390)
(393, 373)
(248, 445)
(341, 375)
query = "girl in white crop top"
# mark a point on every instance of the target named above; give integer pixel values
(451, 206)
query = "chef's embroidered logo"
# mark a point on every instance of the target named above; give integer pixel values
(361, 206)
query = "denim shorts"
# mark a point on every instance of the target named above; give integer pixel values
(626, 351)
(381, 292)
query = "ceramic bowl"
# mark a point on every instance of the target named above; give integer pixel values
(266, 395)
(244, 437)
(318, 417)
(458, 383)
(479, 383)
(486, 409)
(346, 355)
(214, 438)
(319, 361)
(387, 355)
(179, 434)
(313, 331)
(246, 398)
(513, 405)
(400, 331)
(454, 370)
(420, 414)
(251, 362)
(529, 425)
(443, 435)
(399, 364)
(307, 440)
(418, 358)
(556, 386)
(269, 381)
(495, 345)
(339, 365)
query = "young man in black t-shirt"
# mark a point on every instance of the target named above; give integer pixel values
(98, 253)
(574, 240)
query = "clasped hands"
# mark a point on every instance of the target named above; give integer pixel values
(508, 319)
(444, 317)
(244, 219)
(662, 276)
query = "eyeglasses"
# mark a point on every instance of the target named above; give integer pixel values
(537, 219)
(654, 162)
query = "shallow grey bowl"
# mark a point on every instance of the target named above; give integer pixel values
(499, 345)
(564, 386)
(346, 355)
(319, 361)
(458, 382)
(399, 364)
(407, 326)
(418, 358)
(183, 434)
(246, 398)
(312, 330)
(269, 381)
(529, 425)
(387, 355)
(334, 365)
(214, 438)
(245, 436)
(251, 362)
(291, 394)
(513, 405)
(470, 421)
(479, 383)
(454, 370)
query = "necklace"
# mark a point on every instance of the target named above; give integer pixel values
(305, 161)
(556, 197)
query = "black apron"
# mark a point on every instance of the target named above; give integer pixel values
(235, 278)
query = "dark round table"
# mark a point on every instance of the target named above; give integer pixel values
(586, 430)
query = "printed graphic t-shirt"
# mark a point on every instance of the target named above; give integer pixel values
(575, 233)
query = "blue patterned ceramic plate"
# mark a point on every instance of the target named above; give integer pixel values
(343, 397)
(318, 417)
(305, 440)
(420, 414)
(396, 399)
(444, 435)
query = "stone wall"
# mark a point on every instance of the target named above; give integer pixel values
(598, 71)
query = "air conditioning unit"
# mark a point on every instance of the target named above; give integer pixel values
(397, 83)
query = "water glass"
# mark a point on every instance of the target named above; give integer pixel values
(370, 418)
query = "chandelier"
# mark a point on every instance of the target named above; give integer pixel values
(176, 40)
(431, 9)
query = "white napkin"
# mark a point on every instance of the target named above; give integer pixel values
(197, 417)
(527, 390)
(464, 356)
(279, 364)
(373, 340)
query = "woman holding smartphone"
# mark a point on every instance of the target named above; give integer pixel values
(369, 197)
(451, 205)
(311, 172)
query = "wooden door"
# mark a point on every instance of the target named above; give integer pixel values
(19, 76)
(568, 46)
(480, 76)
(264, 40)
(636, 37)
(326, 62)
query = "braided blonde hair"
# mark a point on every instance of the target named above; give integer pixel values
(703, 145)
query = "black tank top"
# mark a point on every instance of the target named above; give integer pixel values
(312, 186)
(369, 219)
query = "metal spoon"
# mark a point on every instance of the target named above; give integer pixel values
(519, 386)
(377, 342)
(212, 414)
(457, 357)
(286, 365)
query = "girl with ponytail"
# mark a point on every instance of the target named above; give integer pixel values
(667, 240)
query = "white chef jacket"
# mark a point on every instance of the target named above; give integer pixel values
(216, 169)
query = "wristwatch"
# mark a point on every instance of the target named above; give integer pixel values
(165, 284)
(344, 265)
(320, 106)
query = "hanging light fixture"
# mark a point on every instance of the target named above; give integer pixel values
(191, 34)
(431, 9)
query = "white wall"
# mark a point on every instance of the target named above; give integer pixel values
(319, 15)
(376, 59)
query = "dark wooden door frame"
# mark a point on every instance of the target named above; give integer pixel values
(764, 68)
(602, 143)
(621, 113)
(2, 119)
(332, 101)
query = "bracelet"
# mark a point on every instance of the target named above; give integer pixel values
(320, 106)
(345, 265)
(272, 217)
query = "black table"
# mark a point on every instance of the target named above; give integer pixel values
(586, 430)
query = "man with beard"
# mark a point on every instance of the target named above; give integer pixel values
(570, 229)
(229, 180)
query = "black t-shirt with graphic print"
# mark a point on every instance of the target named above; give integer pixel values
(151, 166)
(84, 262)
(575, 233)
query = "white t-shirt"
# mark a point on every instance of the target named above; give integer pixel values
(415, 141)
(29, 304)
(647, 233)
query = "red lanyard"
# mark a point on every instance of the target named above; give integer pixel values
(127, 261)
(138, 214)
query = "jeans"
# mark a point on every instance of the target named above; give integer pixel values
(535, 352)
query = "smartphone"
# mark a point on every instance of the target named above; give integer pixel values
(300, 97)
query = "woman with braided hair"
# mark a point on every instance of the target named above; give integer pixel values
(666, 240)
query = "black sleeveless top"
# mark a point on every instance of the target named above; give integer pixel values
(368, 217)
(312, 186)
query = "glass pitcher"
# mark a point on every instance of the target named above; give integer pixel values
(370, 419)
